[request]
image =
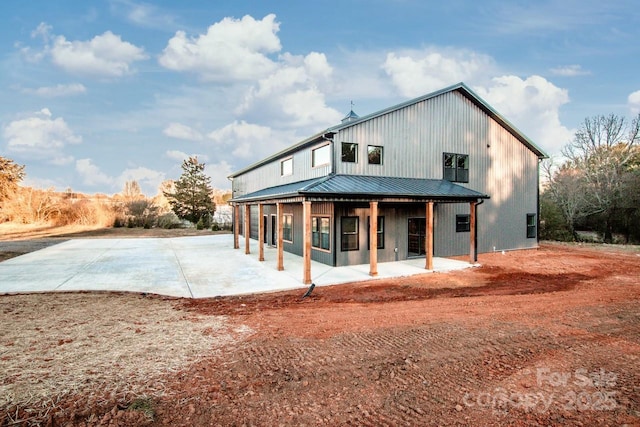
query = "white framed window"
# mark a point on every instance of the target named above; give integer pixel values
(321, 156)
(286, 167)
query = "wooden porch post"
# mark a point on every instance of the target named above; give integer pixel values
(247, 228)
(373, 238)
(260, 232)
(306, 252)
(429, 238)
(472, 234)
(279, 244)
(236, 226)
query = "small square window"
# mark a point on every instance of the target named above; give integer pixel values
(463, 223)
(349, 152)
(286, 167)
(531, 226)
(375, 154)
(321, 156)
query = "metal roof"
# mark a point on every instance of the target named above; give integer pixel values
(467, 93)
(355, 186)
(460, 87)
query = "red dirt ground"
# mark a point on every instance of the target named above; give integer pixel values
(539, 337)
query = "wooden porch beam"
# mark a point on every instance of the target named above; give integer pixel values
(429, 237)
(279, 238)
(306, 251)
(373, 238)
(247, 228)
(260, 232)
(472, 234)
(236, 226)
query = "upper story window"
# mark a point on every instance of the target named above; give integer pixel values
(286, 166)
(350, 152)
(456, 167)
(321, 156)
(375, 154)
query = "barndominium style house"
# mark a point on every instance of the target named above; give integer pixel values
(439, 175)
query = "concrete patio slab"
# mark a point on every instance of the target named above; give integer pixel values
(188, 267)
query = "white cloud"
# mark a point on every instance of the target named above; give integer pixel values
(180, 131)
(144, 14)
(180, 155)
(106, 55)
(634, 102)
(533, 106)
(58, 90)
(219, 173)
(91, 174)
(247, 140)
(417, 72)
(570, 71)
(291, 96)
(231, 50)
(41, 136)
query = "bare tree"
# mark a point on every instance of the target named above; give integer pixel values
(11, 174)
(602, 149)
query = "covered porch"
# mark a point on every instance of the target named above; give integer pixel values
(352, 189)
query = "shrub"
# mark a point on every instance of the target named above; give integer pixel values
(169, 220)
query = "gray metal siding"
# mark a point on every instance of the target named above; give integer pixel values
(414, 139)
(269, 175)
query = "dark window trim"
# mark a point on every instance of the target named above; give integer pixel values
(355, 152)
(532, 228)
(463, 223)
(343, 247)
(381, 162)
(455, 173)
(379, 232)
(317, 219)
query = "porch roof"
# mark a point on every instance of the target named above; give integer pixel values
(370, 187)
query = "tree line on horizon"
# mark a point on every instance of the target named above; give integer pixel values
(597, 186)
(188, 200)
(595, 189)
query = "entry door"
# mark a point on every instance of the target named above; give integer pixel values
(274, 230)
(416, 230)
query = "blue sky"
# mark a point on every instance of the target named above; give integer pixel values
(96, 93)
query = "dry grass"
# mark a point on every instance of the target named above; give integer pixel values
(56, 345)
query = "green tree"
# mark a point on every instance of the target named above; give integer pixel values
(10, 176)
(191, 198)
